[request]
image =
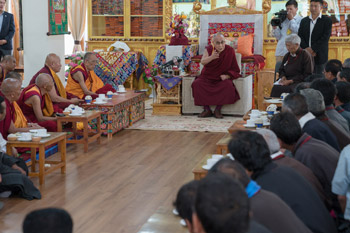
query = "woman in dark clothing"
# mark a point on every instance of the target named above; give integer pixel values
(296, 65)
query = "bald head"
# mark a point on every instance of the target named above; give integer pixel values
(51, 58)
(7, 58)
(43, 80)
(218, 42)
(9, 62)
(11, 88)
(53, 62)
(218, 36)
(89, 56)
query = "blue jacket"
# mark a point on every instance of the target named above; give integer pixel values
(7, 30)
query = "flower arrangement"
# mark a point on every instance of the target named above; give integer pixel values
(75, 60)
(178, 24)
(149, 73)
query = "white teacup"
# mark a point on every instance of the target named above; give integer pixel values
(41, 132)
(254, 116)
(255, 111)
(251, 122)
(101, 96)
(217, 156)
(26, 136)
(99, 100)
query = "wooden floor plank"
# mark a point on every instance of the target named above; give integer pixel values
(116, 186)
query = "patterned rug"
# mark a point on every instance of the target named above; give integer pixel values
(182, 123)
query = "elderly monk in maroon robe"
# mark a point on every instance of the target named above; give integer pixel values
(8, 64)
(214, 86)
(58, 94)
(37, 105)
(14, 120)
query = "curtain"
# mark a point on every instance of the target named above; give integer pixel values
(76, 21)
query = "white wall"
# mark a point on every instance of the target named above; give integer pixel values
(35, 41)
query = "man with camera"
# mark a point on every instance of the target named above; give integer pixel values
(315, 31)
(286, 23)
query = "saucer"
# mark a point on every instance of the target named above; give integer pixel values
(122, 91)
(24, 139)
(249, 126)
(206, 167)
(266, 124)
(100, 102)
(43, 135)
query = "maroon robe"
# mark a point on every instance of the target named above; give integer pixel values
(57, 106)
(208, 88)
(28, 111)
(6, 122)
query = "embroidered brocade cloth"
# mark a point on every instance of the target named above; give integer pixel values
(168, 83)
(115, 67)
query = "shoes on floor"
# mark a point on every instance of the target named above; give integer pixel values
(217, 114)
(205, 113)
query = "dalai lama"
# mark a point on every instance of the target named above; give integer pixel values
(214, 86)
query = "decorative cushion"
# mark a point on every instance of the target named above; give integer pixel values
(245, 45)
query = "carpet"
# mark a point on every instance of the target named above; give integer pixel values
(182, 123)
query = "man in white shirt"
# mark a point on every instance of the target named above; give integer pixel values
(289, 25)
(315, 31)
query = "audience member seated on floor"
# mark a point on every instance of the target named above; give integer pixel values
(250, 149)
(296, 66)
(13, 178)
(36, 104)
(8, 64)
(328, 91)
(14, 75)
(346, 63)
(296, 104)
(279, 158)
(342, 98)
(58, 94)
(280, 217)
(331, 70)
(344, 75)
(83, 81)
(14, 121)
(184, 202)
(341, 182)
(214, 86)
(317, 155)
(222, 206)
(3, 142)
(301, 86)
(316, 106)
(48, 220)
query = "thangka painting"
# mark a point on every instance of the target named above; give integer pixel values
(58, 23)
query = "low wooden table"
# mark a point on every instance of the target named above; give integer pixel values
(276, 101)
(84, 118)
(59, 138)
(238, 125)
(198, 171)
(222, 145)
(120, 112)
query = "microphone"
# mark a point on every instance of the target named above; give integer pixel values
(172, 62)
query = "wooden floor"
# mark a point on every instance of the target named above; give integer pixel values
(117, 186)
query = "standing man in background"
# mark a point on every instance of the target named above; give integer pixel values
(7, 30)
(315, 31)
(289, 25)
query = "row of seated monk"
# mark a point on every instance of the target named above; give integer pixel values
(36, 105)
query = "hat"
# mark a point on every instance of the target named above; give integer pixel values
(314, 100)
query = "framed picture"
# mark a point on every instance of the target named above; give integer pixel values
(58, 23)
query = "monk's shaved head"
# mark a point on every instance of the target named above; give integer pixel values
(8, 58)
(52, 57)
(88, 55)
(43, 80)
(218, 35)
(10, 85)
(14, 75)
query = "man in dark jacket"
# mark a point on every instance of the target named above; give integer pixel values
(7, 30)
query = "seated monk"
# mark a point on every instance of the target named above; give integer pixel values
(8, 63)
(14, 75)
(14, 120)
(83, 81)
(36, 104)
(58, 94)
(214, 86)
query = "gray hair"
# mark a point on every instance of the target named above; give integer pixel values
(346, 63)
(293, 38)
(218, 34)
(314, 100)
(271, 140)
